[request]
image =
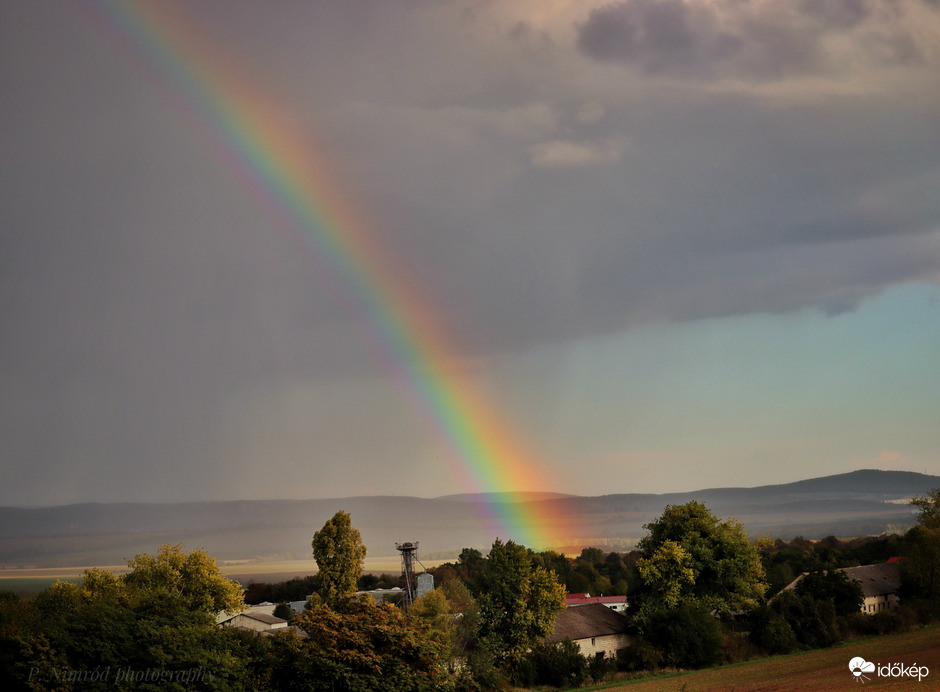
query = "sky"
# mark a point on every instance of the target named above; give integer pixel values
(666, 244)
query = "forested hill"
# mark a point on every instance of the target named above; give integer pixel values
(852, 504)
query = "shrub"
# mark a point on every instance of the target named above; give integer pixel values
(559, 665)
(688, 636)
(771, 632)
(639, 656)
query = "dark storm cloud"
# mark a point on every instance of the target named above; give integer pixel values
(158, 309)
(734, 38)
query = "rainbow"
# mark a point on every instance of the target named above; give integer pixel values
(290, 175)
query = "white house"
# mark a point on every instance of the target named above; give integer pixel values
(594, 627)
(880, 585)
(255, 621)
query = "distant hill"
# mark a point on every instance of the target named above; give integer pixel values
(850, 504)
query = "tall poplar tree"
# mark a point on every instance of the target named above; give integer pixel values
(340, 555)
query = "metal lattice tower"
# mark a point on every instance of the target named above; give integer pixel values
(409, 555)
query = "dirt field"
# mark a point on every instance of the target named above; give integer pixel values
(823, 671)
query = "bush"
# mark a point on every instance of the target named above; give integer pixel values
(884, 622)
(814, 622)
(559, 665)
(599, 667)
(771, 632)
(639, 656)
(688, 636)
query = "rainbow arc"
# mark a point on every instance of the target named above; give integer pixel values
(292, 178)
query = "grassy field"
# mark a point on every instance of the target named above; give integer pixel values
(826, 670)
(245, 571)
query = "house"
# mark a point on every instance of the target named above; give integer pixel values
(255, 621)
(615, 603)
(880, 585)
(594, 627)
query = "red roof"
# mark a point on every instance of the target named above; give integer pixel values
(579, 599)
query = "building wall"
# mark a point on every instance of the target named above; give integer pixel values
(252, 624)
(877, 604)
(247, 623)
(609, 644)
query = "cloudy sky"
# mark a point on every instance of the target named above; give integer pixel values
(674, 244)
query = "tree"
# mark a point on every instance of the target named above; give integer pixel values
(518, 602)
(358, 644)
(771, 632)
(159, 617)
(557, 664)
(283, 611)
(726, 572)
(340, 555)
(813, 622)
(928, 508)
(920, 572)
(193, 576)
(834, 585)
(688, 635)
(668, 574)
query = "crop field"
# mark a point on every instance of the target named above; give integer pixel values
(826, 670)
(37, 579)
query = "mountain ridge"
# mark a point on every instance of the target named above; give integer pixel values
(857, 503)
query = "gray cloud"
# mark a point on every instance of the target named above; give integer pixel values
(506, 164)
(751, 40)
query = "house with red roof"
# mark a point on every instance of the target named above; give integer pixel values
(618, 604)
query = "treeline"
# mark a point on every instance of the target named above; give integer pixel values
(700, 593)
(299, 588)
(614, 574)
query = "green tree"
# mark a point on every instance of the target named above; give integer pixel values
(813, 622)
(835, 586)
(359, 645)
(920, 572)
(518, 602)
(668, 574)
(158, 617)
(340, 555)
(436, 611)
(195, 577)
(688, 635)
(928, 508)
(771, 632)
(726, 571)
(557, 664)
(283, 611)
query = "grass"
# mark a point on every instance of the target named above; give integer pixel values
(824, 670)
(23, 585)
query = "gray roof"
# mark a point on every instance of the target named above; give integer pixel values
(263, 617)
(591, 620)
(876, 580)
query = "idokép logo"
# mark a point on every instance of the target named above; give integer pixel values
(861, 669)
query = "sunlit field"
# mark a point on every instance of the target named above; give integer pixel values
(37, 579)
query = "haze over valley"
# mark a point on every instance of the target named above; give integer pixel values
(855, 504)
